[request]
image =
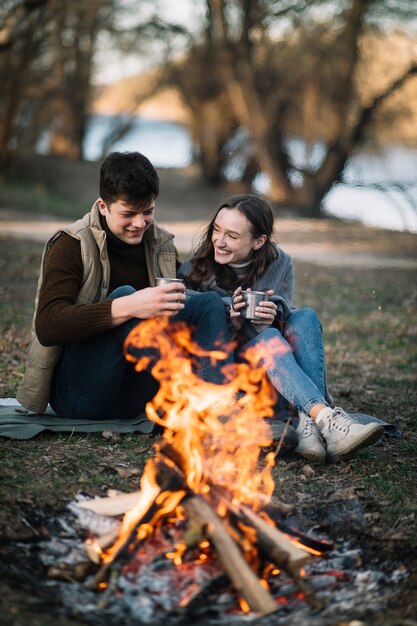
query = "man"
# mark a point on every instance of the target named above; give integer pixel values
(97, 282)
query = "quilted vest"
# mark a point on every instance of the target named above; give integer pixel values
(160, 254)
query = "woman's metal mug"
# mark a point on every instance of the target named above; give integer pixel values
(252, 299)
(166, 281)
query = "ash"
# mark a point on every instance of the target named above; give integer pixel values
(147, 588)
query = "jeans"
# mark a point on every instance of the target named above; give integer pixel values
(93, 380)
(294, 359)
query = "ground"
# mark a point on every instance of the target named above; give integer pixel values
(368, 312)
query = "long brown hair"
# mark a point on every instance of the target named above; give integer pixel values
(259, 214)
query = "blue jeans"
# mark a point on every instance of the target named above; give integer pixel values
(93, 380)
(294, 359)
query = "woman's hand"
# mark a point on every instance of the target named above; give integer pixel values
(266, 312)
(237, 305)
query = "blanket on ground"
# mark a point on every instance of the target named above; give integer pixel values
(18, 423)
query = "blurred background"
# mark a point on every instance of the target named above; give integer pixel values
(310, 102)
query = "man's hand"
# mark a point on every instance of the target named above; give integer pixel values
(150, 302)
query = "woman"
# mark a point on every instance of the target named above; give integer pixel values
(237, 253)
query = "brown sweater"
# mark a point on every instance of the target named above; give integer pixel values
(59, 320)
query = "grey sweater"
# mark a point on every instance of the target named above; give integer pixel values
(279, 276)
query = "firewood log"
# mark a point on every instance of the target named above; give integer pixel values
(111, 505)
(277, 546)
(243, 578)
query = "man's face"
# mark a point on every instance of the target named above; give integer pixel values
(126, 222)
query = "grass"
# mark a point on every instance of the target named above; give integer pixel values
(370, 333)
(39, 200)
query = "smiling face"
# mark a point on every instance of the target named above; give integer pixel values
(125, 222)
(232, 237)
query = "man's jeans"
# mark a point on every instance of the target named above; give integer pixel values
(294, 360)
(93, 380)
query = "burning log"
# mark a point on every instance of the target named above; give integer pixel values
(166, 479)
(93, 550)
(111, 505)
(274, 543)
(241, 575)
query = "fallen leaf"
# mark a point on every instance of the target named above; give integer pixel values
(397, 536)
(308, 471)
(127, 472)
(109, 434)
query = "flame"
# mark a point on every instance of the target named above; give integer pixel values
(147, 495)
(305, 547)
(176, 555)
(213, 433)
(217, 429)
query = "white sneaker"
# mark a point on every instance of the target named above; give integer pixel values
(344, 435)
(311, 444)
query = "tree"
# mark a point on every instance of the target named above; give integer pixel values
(304, 85)
(267, 79)
(46, 60)
(48, 51)
(212, 119)
(22, 29)
(74, 30)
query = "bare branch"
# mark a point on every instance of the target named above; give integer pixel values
(402, 187)
(369, 111)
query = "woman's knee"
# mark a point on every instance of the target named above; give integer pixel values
(270, 344)
(302, 318)
(269, 339)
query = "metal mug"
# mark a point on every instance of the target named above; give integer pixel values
(252, 299)
(166, 281)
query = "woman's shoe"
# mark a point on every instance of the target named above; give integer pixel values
(311, 444)
(344, 435)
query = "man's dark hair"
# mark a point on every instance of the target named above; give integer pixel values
(128, 176)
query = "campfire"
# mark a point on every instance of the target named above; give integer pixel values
(205, 503)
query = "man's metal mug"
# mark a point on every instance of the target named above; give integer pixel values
(166, 281)
(252, 299)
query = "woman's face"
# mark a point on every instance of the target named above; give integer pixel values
(232, 237)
